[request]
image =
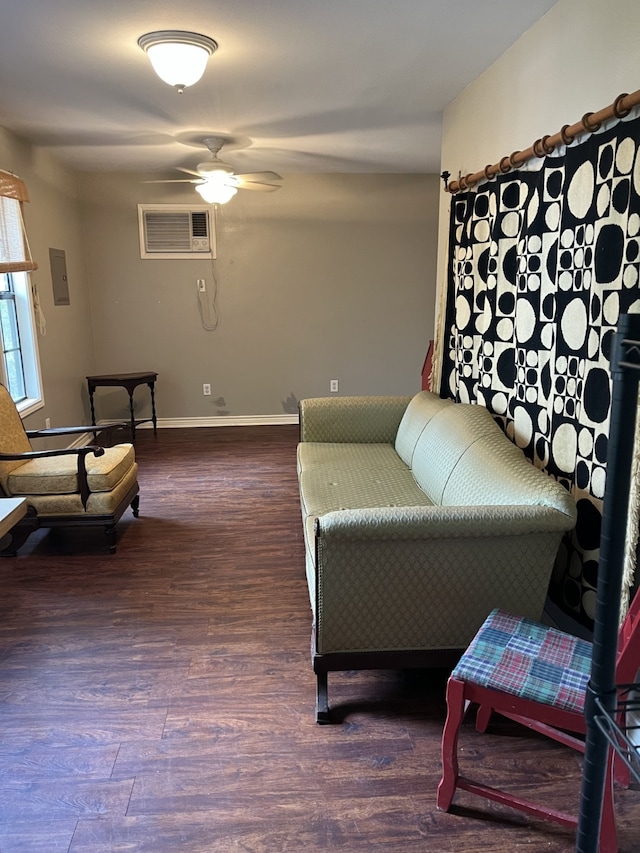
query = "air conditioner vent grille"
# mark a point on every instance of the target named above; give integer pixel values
(200, 224)
(175, 231)
(168, 232)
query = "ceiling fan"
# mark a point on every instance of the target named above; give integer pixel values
(217, 182)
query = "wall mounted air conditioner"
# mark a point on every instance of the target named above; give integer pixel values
(176, 231)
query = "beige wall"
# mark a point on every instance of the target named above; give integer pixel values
(577, 58)
(53, 221)
(331, 277)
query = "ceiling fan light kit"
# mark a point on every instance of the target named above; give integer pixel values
(179, 58)
(216, 192)
(217, 182)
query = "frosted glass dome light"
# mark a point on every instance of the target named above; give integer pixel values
(179, 58)
(216, 192)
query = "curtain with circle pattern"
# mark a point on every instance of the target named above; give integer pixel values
(541, 264)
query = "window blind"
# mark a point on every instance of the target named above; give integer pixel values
(15, 255)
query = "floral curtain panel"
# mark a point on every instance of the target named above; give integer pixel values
(541, 265)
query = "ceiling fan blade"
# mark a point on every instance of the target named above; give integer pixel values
(259, 176)
(189, 171)
(254, 185)
(174, 181)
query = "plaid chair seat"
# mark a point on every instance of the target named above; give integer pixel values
(529, 660)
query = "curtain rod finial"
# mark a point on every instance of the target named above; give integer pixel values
(445, 177)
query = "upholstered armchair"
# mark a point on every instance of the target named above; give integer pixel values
(79, 486)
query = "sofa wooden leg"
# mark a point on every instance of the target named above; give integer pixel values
(322, 698)
(135, 503)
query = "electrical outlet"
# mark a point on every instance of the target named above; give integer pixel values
(47, 423)
(202, 286)
(206, 389)
(333, 386)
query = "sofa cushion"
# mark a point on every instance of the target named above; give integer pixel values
(514, 479)
(416, 417)
(353, 476)
(341, 455)
(443, 442)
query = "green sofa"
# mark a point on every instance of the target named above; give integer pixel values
(420, 516)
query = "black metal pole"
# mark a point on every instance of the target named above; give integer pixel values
(625, 367)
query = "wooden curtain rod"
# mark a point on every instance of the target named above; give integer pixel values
(589, 123)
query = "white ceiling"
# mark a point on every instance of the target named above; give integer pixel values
(296, 85)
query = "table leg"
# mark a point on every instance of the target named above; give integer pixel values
(133, 420)
(153, 408)
(93, 413)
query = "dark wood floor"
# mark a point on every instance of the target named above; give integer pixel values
(162, 699)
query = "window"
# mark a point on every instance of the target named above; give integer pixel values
(20, 369)
(19, 366)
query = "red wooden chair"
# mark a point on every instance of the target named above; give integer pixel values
(536, 676)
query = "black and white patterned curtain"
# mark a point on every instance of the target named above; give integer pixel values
(541, 264)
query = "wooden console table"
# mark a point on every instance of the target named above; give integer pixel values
(130, 381)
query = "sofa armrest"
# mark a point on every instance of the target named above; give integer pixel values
(441, 522)
(351, 419)
(426, 577)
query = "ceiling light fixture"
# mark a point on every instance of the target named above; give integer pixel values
(179, 58)
(217, 191)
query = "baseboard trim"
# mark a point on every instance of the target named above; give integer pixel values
(219, 421)
(189, 423)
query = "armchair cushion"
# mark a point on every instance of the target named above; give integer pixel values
(98, 503)
(58, 475)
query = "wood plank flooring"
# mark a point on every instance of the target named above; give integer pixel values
(161, 700)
